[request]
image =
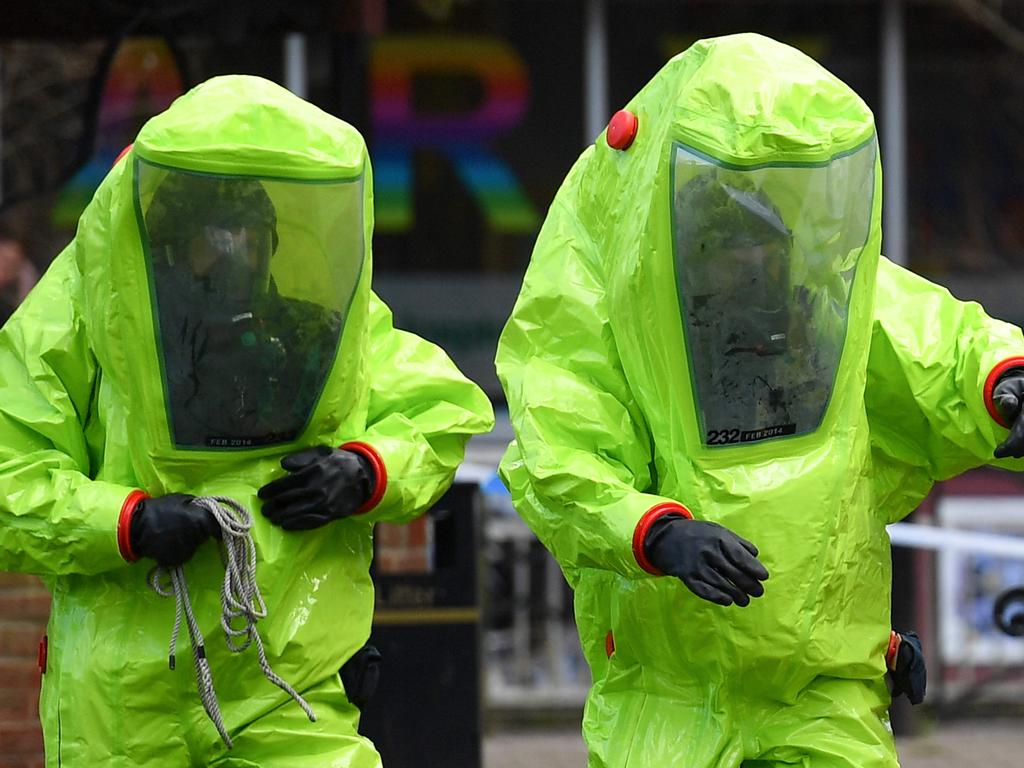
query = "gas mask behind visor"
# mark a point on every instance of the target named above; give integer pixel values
(765, 260)
(233, 261)
(749, 275)
(252, 279)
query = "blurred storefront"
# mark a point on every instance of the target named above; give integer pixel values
(474, 111)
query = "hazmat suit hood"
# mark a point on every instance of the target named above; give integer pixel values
(756, 223)
(240, 226)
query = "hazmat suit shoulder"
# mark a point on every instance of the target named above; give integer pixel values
(930, 373)
(55, 515)
(421, 413)
(579, 467)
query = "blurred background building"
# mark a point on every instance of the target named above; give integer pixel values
(474, 110)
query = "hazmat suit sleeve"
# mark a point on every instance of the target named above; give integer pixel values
(579, 468)
(54, 519)
(422, 411)
(932, 364)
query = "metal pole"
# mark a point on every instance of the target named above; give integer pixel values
(595, 70)
(521, 611)
(295, 66)
(554, 633)
(894, 132)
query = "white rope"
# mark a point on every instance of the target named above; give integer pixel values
(240, 599)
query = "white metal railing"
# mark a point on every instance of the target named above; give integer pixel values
(980, 553)
(956, 540)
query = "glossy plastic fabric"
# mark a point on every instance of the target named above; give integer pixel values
(594, 363)
(83, 423)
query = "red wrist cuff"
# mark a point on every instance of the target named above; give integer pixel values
(653, 514)
(990, 386)
(380, 482)
(124, 524)
(894, 646)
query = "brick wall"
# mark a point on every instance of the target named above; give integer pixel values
(24, 609)
(405, 548)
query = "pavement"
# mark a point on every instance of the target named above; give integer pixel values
(958, 744)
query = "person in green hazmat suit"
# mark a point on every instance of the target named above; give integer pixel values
(721, 394)
(211, 322)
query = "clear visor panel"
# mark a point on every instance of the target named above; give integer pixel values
(765, 260)
(251, 282)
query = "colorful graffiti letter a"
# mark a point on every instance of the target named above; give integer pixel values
(142, 77)
(398, 128)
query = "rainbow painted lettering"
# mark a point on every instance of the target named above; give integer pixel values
(461, 137)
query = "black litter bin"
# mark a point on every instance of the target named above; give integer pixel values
(427, 707)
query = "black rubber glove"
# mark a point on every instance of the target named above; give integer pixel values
(325, 484)
(170, 528)
(711, 560)
(1008, 397)
(908, 673)
(360, 675)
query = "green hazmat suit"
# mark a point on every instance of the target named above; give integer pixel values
(94, 407)
(864, 385)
